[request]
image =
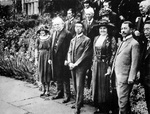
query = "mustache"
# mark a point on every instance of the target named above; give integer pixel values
(123, 33)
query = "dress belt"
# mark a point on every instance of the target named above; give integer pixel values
(101, 58)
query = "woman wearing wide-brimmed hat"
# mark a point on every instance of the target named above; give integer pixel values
(104, 47)
(42, 55)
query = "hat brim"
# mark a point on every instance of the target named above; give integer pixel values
(47, 31)
(110, 25)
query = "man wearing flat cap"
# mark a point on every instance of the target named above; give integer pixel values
(79, 56)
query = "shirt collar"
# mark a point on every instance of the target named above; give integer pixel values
(71, 19)
(79, 35)
(128, 37)
(91, 21)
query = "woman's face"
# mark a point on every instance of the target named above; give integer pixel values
(42, 33)
(103, 30)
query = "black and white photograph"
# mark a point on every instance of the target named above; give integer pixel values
(74, 56)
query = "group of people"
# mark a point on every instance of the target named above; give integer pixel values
(78, 48)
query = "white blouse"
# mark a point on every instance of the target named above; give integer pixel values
(100, 41)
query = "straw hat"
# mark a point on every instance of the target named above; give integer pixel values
(43, 28)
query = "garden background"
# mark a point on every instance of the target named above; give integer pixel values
(17, 44)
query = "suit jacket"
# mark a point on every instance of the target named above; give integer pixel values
(129, 9)
(89, 30)
(59, 55)
(70, 26)
(145, 72)
(80, 52)
(126, 60)
(139, 22)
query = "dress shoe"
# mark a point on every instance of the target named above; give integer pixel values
(42, 94)
(57, 97)
(66, 100)
(47, 94)
(77, 111)
(74, 106)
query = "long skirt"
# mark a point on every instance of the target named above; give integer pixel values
(100, 83)
(44, 68)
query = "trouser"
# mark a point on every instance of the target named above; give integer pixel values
(78, 82)
(147, 97)
(123, 93)
(63, 86)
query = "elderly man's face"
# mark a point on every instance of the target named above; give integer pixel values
(147, 31)
(58, 26)
(89, 16)
(143, 7)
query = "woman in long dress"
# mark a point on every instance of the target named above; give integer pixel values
(104, 50)
(42, 56)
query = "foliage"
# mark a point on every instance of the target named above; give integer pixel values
(17, 44)
(138, 100)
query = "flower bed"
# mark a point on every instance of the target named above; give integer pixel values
(17, 60)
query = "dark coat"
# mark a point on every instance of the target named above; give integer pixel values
(89, 31)
(145, 72)
(70, 26)
(129, 9)
(58, 57)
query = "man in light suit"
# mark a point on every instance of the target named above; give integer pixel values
(79, 56)
(125, 66)
(60, 44)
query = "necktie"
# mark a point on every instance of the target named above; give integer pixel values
(55, 41)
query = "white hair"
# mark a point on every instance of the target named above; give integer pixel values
(89, 10)
(57, 20)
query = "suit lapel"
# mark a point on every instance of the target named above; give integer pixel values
(79, 41)
(61, 38)
(147, 53)
(124, 45)
(54, 36)
(73, 48)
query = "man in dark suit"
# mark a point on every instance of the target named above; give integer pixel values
(90, 32)
(79, 56)
(128, 10)
(60, 44)
(139, 34)
(70, 23)
(89, 23)
(125, 66)
(145, 72)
